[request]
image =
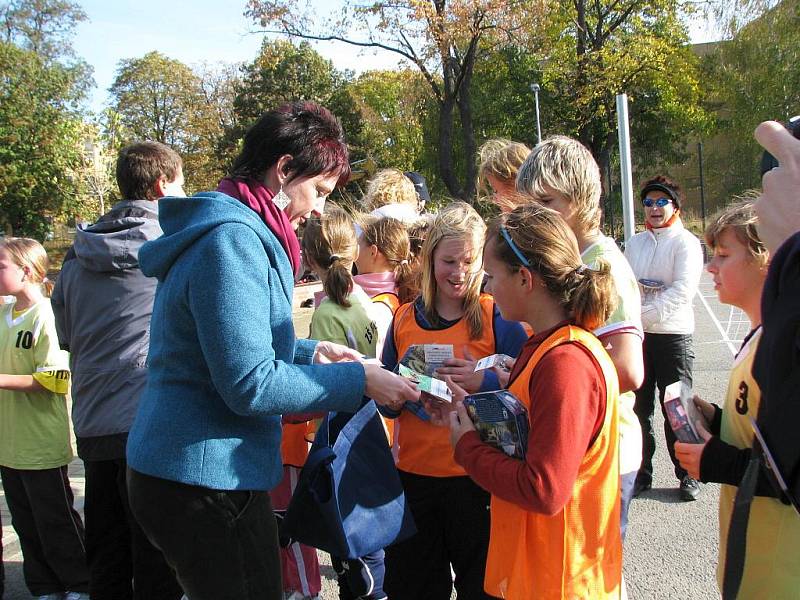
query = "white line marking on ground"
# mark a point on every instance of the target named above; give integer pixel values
(718, 325)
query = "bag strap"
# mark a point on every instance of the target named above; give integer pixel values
(319, 456)
(737, 530)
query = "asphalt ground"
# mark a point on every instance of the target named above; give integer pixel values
(671, 548)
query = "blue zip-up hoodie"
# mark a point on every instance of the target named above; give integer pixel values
(224, 362)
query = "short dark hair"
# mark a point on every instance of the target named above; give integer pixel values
(140, 165)
(308, 132)
(664, 184)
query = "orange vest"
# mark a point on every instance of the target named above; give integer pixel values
(294, 445)
(423, 448)
(390, 299)
(576, 553)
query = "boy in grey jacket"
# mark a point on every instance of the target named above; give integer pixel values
(103, 303)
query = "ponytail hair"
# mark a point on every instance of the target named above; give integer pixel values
(390, 237)
(537, 238)
(30, 254)
(329, 242)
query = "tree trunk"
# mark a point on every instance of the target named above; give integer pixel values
(446, 168)
(468, 135)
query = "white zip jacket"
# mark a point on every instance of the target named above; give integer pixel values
(671, 255)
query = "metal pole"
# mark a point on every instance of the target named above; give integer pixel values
(702, 184)
(535, 88)
(626, 178)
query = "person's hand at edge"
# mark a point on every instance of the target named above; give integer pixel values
(460, 423)
(706, 409)
(462, 371)
(690, 455)
(388, 389)
(778, 207)
(330, 352)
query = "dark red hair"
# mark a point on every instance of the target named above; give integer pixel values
(310, 133)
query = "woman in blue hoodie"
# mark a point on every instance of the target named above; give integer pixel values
(224, 362)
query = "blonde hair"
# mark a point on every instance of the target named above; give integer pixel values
(330, 243)
(390, 237)
(740, 217)
(457, 220)
(549, 246)
(567, 167)
(27, 252)
(500, 158)
(390, 186)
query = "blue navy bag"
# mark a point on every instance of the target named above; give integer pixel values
(349, 500)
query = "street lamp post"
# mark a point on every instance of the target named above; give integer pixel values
(535, 89)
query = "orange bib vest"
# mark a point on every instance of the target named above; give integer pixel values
(576, 553)
(424, 448)
(390, 299)
(294, 443)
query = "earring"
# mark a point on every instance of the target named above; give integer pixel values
(281, 199)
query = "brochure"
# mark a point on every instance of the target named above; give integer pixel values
(501, 420)
(495, 360)
(682, 414)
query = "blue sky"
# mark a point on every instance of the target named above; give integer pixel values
(201, 31)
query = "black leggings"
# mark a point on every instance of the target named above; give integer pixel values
(452, 518)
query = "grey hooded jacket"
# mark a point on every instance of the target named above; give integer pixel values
(103, 303)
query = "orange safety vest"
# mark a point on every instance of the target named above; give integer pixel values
(424, 448)
(390, 299)
(294, 445)
(576, 553)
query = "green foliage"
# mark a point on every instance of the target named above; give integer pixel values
(751, 78)
(45, 27)
(39, 140)
(161, 99)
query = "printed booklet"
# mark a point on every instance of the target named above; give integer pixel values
(682, 414)
(418, 364)
(501, 420)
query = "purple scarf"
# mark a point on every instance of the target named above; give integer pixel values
(257, 196)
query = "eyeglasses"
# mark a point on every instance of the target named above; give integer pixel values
(660, 202)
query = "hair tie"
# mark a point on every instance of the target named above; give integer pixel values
(580, 270)
(403, 262)
(45, 280)
(334, 258)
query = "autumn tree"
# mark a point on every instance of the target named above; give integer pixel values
(440, 38)
(161, 99)
(600, 48)
(391, 108)
(749, 79)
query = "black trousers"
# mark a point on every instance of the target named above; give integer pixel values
(223, 545)
(123, 564)
(452, 517)
(667, 358)
(49, 528)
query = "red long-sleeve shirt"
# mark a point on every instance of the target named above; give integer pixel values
(567, 410)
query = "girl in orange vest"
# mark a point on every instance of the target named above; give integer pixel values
(555, 515)
(385, 269)
(450, 511)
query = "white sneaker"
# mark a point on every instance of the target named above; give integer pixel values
(58, 596)
(76, 596)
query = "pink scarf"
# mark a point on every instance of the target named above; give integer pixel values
(258, 197)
